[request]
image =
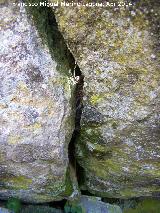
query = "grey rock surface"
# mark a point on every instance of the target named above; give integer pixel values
(117, 50)
(36, 112)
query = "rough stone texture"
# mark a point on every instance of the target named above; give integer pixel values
(117, 50)
(36, 113)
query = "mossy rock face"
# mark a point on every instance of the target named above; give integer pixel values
(117, 51)
(145, 206)
(36, 106)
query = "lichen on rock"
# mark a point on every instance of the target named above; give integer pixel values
(117, 52)
(36, 107)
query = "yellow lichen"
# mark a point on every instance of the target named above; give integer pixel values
(95, 99)
(23, 87)
(20, 182)
(34, 127)
(14, 139)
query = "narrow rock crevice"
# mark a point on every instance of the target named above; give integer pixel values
(79, 108)
(45, 22)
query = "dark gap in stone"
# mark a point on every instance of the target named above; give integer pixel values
(58, 204)
(79, 107)
(45, 22)
(81, 179)
(85, 192)
(55, 204)
(78, 71)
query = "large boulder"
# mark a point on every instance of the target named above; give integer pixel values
(36, 108)
(117, 50)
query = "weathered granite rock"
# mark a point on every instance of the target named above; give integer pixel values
(117, 50)
(36, 110)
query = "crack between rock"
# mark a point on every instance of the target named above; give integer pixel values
(45, 22)
(79, 107)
